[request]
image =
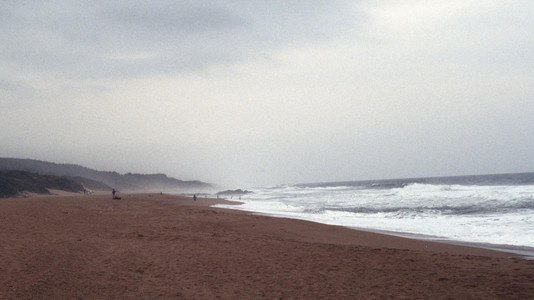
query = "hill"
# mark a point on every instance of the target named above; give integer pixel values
(105, 179)
(14, 182)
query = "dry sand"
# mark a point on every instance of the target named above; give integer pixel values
(149, 246)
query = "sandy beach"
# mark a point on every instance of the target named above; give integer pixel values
(149, 246)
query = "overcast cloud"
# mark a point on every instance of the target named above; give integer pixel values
(245, 93)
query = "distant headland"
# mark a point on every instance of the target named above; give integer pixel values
(38, 176)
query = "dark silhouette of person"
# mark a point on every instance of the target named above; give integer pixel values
(113, 192)
(195, 197)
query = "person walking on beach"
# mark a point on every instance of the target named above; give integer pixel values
(194, 197)
(113, 193)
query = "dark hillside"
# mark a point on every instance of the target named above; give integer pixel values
(104, 179)
(14, 182)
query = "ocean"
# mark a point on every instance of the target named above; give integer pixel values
(496, 211)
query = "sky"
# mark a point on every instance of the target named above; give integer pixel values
(259, 93)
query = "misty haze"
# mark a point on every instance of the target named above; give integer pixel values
(260, 93)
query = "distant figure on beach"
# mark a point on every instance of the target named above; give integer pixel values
(195, 197)
(115, 197)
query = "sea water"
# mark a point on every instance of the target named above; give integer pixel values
(489, 209)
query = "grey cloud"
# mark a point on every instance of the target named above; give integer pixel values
(123, 39)
(102, 41)
(171, 17)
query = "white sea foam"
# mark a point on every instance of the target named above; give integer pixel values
(501, 214)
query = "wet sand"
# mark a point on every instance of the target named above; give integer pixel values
(148, 246)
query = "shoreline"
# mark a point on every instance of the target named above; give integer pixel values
(493, 250)
(523, 252)
(167, 246)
